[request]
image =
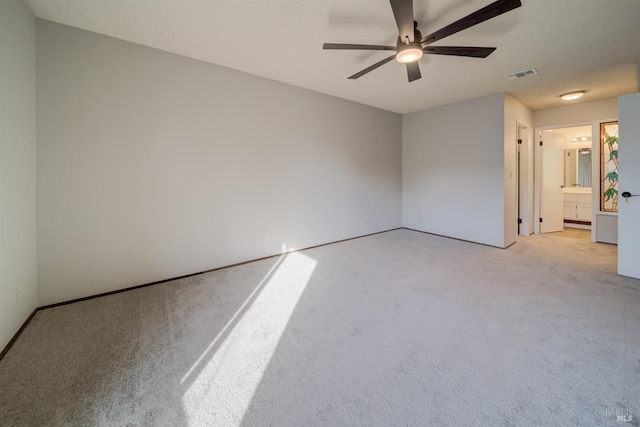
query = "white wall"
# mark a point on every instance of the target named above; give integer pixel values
(453, 170)
(629, 212)
(572, 114)
(515, 114)
(17, 166)
(587, 113)
(575, 132)
(152, 166)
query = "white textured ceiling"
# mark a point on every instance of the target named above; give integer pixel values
(574, 44)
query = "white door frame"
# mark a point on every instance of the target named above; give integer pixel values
(524, 170)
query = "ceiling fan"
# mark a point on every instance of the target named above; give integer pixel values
(411, 45)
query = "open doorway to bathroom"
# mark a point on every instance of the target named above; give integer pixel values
(566, 197)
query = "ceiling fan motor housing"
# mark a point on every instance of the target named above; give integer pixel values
(417, 36)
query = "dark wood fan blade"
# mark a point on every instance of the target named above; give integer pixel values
(403, 12)
(474, 52)
(491, 11)
(413, 71)
(371, 68)
(356, 46)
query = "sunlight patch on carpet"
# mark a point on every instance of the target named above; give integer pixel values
(222, 392)
(206, 353)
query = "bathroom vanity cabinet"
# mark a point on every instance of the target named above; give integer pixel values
(577, 206)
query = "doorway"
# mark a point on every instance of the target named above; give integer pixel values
(522, 179)
(565, 162)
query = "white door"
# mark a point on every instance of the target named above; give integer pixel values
(629, 180)
(552, 196)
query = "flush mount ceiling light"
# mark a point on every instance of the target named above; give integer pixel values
(409, 53)
(573, 95)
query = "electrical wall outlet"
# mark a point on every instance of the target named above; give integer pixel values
(19, 291)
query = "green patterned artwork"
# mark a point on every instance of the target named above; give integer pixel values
(609, 167)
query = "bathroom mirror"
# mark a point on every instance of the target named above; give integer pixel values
(577, 167)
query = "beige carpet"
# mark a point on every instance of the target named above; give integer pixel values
(396, 329)
(574, 233)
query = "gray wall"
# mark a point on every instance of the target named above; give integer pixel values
(17, 166)
(453, 170)
(152, 165)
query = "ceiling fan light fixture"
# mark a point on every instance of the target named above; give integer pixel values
(571, 96)
(409, 53)
(410, 45)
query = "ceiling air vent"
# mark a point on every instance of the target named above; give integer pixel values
(521, 74)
